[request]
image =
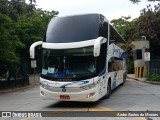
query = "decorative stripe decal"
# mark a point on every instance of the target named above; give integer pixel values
(103, 72)
(82, 82)
(123, 55)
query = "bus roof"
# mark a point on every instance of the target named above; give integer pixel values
(78, 28)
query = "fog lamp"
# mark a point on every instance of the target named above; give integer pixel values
(90, 95)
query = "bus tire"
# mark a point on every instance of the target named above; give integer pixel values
(108, 89)
(124, 79)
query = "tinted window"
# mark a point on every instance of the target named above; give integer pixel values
(114, 35)
(101, 59)
(103, 27)
(116, 64)
(73, 28)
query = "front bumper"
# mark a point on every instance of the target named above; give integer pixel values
(90, 95)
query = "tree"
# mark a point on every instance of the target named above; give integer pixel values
(9, 41)
(148, 24)
(124, 26)
(137, 1)
(21, 24)
(32, 28)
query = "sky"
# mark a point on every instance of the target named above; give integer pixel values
(111, 9)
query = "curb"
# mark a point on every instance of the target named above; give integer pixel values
(18, 89)
(151, 82)
(133, 78)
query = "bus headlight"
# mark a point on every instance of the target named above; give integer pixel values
(89, 86)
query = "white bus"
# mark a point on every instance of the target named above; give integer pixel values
(83, 58)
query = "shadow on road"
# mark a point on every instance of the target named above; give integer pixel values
(71, 104)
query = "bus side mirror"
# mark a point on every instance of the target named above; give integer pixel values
(32, 49)
(97, 46)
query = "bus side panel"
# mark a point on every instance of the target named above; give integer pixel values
(103, 85)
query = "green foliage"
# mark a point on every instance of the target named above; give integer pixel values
(137, 1)
(154, 77)
(124, 26)
(31, 28)
(9, 41)
(21, 24)
(148, 24)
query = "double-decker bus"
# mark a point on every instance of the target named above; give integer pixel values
(83, 58)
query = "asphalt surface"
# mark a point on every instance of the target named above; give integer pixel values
(133, 96)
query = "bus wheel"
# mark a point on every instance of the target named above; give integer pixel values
(124, 79)
(108, 90)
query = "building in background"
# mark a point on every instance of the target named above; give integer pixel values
(141, 57)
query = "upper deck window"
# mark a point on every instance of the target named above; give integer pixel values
(73, 28)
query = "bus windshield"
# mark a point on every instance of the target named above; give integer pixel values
(68, 63)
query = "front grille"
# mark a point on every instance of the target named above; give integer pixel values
(58, 89)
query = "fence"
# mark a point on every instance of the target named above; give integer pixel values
(14, 76)
(154, 66)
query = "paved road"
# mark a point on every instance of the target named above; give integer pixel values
(133, 96)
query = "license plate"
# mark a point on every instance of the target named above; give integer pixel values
(64, 97)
